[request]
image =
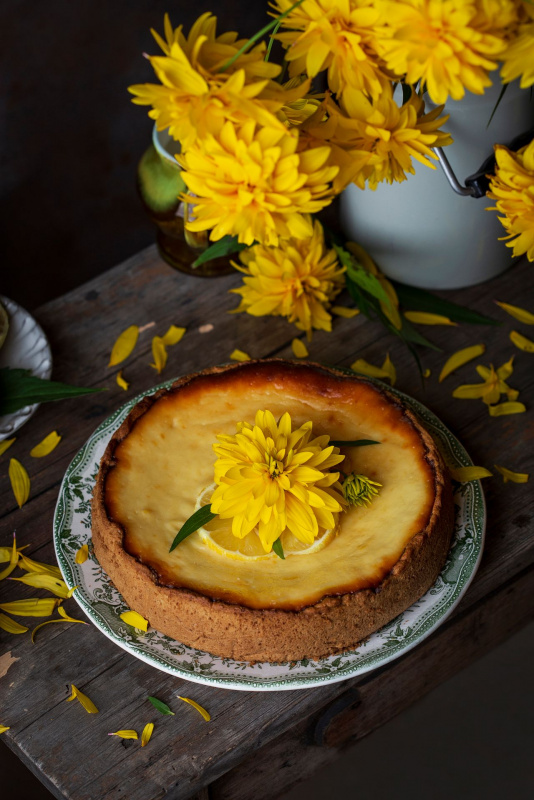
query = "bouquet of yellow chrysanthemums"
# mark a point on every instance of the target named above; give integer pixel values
(265, 146)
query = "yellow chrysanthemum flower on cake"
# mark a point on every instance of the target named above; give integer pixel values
(251, 182)
(298, 280)
(271, 477)
(513, 189)
(450, 45)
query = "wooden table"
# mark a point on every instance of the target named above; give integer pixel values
(257, 744)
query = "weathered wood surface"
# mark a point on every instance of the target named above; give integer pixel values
(68, 749)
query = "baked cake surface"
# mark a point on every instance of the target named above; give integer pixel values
(382, 558)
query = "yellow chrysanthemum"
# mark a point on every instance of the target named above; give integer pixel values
(196, 95)
(337, 35)
(271, 478)
(251, 182)
(518, 58)
(512, 187)
(494, 385)
(297, 281)
(451, 45)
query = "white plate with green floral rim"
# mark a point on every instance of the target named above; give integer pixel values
(103, 604)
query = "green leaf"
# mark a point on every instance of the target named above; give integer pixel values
(163, 708)
(278, 549)
(497, 104)
(201, 517)
(19, 388)
(355, 443)
(410, 334)
(420, 300)
(224, 247)
(360, 276)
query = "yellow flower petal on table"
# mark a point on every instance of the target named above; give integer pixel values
(20, 481)
(390, 370)
(521, 314)
(460, 358)
(387, 370)
(34, 607)
(30, 565)
(4, 728)
(135, 620)
(425, 318)
(43, 581)
(125, 734)
(84, 700)
(299, 348)
(504, 409)
(121, 382)
(9, 625)
(5, 445)
(66, 617)
(50, 621)
(82, 554)
(515, 477)
(159, 353)
(45, 447)
(239, 355)
(522, 342)
(200, 710)
(466, 474)
(147, 733)
(343, 311)
(173, 335)
(13, 560)
(124, 345)
(426, 373)
(71, 591)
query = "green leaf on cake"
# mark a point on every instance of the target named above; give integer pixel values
(197, 520)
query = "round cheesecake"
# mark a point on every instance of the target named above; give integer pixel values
(383, 556)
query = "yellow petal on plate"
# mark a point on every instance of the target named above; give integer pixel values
(50, 622)
(45, 447)
(20, 481)
(125, 734)
(299, 348)
(521, 314)
(147, 733)
(5, 445)
(4, 728)
(426, 373)
(390, 370)
(9, 625)
(121, 382)
(13, 560)
(82, 554)
(173, 335)
(519, 340)
(124, 345)
(425, 318)
(159, 354)
(40, 580)
(30, 565)
(466, 474)
(84, 700)
(515, 477)
(135, 620)
(363, 366)
(239, 355)
(34, 607)
(460, 358)
(504, 409)
(200, 710)
(66, 617)
(343, 311)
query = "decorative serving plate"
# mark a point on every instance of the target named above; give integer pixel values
(103, 604)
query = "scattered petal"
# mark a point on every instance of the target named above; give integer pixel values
(503, 409)
(40, 580)
(363, 366)
(49, 622)
(30, 565)
(426, 318)
(518, 313)
(65, 616)
(460, 358)
(125, 734)
(147, 733)
(5, 444)
(9, 625)
(206, 328)
(299, 348)
(20, 481)
(82, 554)
(124, 345)
(135, 620)
(522, 342)
(45, 447)
(121, 382)
(84, 700)
(173, 335)
(200, 710)
(159, 354)
(162, 707)
(343, 311)
(515, 477)
(427, 373)
(13, 560)
(34, 607)
(466, 474)
(390, 370)
(4, 728)
(239, 355)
